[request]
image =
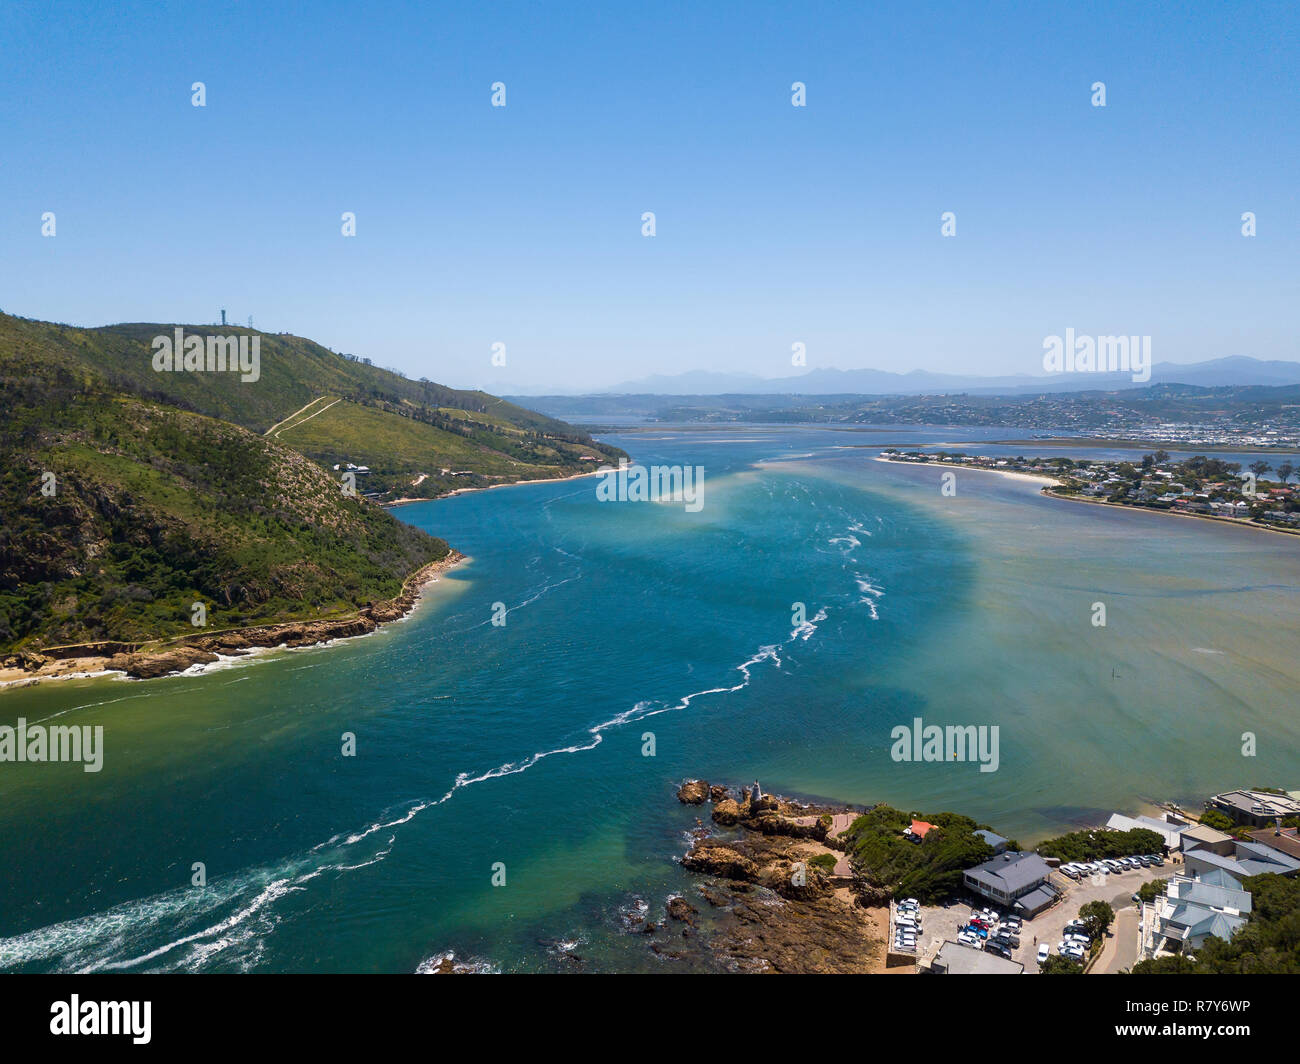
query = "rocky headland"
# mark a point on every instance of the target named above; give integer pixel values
(148, 662)
(777, 888)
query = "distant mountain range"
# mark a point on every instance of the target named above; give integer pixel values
(1236, 370)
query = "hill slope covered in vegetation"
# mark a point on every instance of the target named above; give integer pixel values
(128, 494)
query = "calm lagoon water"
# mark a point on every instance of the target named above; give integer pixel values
(480, 746)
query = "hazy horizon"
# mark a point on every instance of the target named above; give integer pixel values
(775, 225)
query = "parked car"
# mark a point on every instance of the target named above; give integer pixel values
(999, 949)
(1157, 860)
(1044, 951)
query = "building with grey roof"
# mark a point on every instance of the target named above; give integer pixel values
(1247, 859)
(954, 958)
(1257, 808)
(1170, 831)
(998, 843)
(1017, 880)
(1193, 910)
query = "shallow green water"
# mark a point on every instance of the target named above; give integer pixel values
(523, 745)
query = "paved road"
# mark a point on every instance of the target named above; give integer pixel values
(1120, 949)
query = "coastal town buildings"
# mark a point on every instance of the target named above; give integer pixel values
(1284, 840)
(1193, 910)
(1256, 808)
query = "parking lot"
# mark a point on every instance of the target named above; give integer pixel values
(1117, 889)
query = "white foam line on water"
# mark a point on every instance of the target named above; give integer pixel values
(94, 942)
(89, 705)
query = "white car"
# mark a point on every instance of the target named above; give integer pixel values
(1044, 951)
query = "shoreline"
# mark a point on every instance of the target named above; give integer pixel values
(1045, 493)
(492, 487)
(1103, 442)
(169, 657)
(1037, 478)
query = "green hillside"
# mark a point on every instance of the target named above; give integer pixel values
(168, 491)
(498, 441)
(156, 509)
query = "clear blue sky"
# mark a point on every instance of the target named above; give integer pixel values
(775, 224)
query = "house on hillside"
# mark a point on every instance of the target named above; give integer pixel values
(917, 831)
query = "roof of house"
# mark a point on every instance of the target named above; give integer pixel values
(1185, 890)
(1219, 877)
(1250, 801)
(1288, 842)
(990, 837)
(1202, 920)
(1010, 873)
(1034, 900)
(1251, 859)
(1203, 833)
(957, 959)
(1170, 832)
(919, 828)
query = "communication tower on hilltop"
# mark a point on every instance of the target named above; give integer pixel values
(223, 315)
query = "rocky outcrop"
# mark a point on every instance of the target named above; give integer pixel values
(27, 660)
(682, 910)
(795, 879)
(151, 666)
(771, 824)
(693, 792)
(727, 812)
(717, 792)
(201, 649)
(870, 897)
(770, 909)
(721, 861)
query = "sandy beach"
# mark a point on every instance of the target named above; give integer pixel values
(492, 487)
(1036, 478)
